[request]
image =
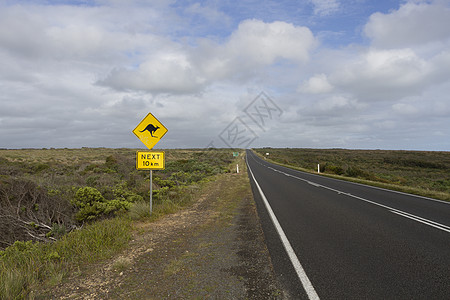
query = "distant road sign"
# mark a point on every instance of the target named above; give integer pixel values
(150, 131)
(146, 160)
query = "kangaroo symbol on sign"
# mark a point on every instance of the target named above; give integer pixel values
(151, 128)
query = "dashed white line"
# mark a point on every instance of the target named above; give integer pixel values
(393, 210)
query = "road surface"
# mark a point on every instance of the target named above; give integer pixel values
(332, 239)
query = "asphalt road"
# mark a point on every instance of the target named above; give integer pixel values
(350, 241)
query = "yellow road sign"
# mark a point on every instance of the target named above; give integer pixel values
(150, 160)
(150, 131)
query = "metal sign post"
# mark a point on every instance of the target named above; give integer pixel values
(146, 160)
(150, 130)
(151, 192)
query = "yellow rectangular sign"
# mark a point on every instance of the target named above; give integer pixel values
(146, 160)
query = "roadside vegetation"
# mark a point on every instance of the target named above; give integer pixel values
(425, 173)
(63, 208)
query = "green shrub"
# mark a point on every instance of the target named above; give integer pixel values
(355, 172)
(24, 265)
(87, 196)
(185, 178)
(116, 205)
(111, 164)
(414, 163)
(40, 167)
(92, 204)
(19, 247)
(333, 169)
(121, 192)
(89, 212)
(160, 194)
(92, 167)
(97, 189)
(163, 182)
(180, 177)
(92, 180)
(58, 231)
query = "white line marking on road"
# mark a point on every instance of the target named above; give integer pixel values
(362, 184)
(393, 210)
(422, 220)
(307, 285)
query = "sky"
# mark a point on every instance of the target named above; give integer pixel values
(354, 74)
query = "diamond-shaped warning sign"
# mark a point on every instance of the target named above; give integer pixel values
(150, 131)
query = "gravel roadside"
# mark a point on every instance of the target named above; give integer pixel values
(214, 249)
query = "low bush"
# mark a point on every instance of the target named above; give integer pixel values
(93, 205)
(121, 192)
(24, 265)
(87, 196)
(415, 163)
(28, 211)
(334, 169)
(425, 172)
(163, 182)
(48, 191)
(356, 172)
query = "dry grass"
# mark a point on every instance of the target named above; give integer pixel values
(425, 173)
(60, 173)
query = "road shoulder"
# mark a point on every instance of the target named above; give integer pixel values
(213, 249)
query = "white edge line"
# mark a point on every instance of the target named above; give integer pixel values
(307, 285)
(391, 209)
(362, 184)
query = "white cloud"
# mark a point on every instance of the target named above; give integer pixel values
(405, 109)
(263, 43)
(163, 73)
(318, 84)
(255, 45)
(336, 104)
(441, 66)
(376, 74)
(383, 74)
(393, 90)
(21, 31)
(208, 12)
(325, 7)
(433, 105)
(198, 65)
(412, 24)
(252, 46)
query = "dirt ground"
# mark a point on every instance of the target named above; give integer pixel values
(214, 249)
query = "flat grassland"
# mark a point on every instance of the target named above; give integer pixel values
(60, 208)
(425, 173)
